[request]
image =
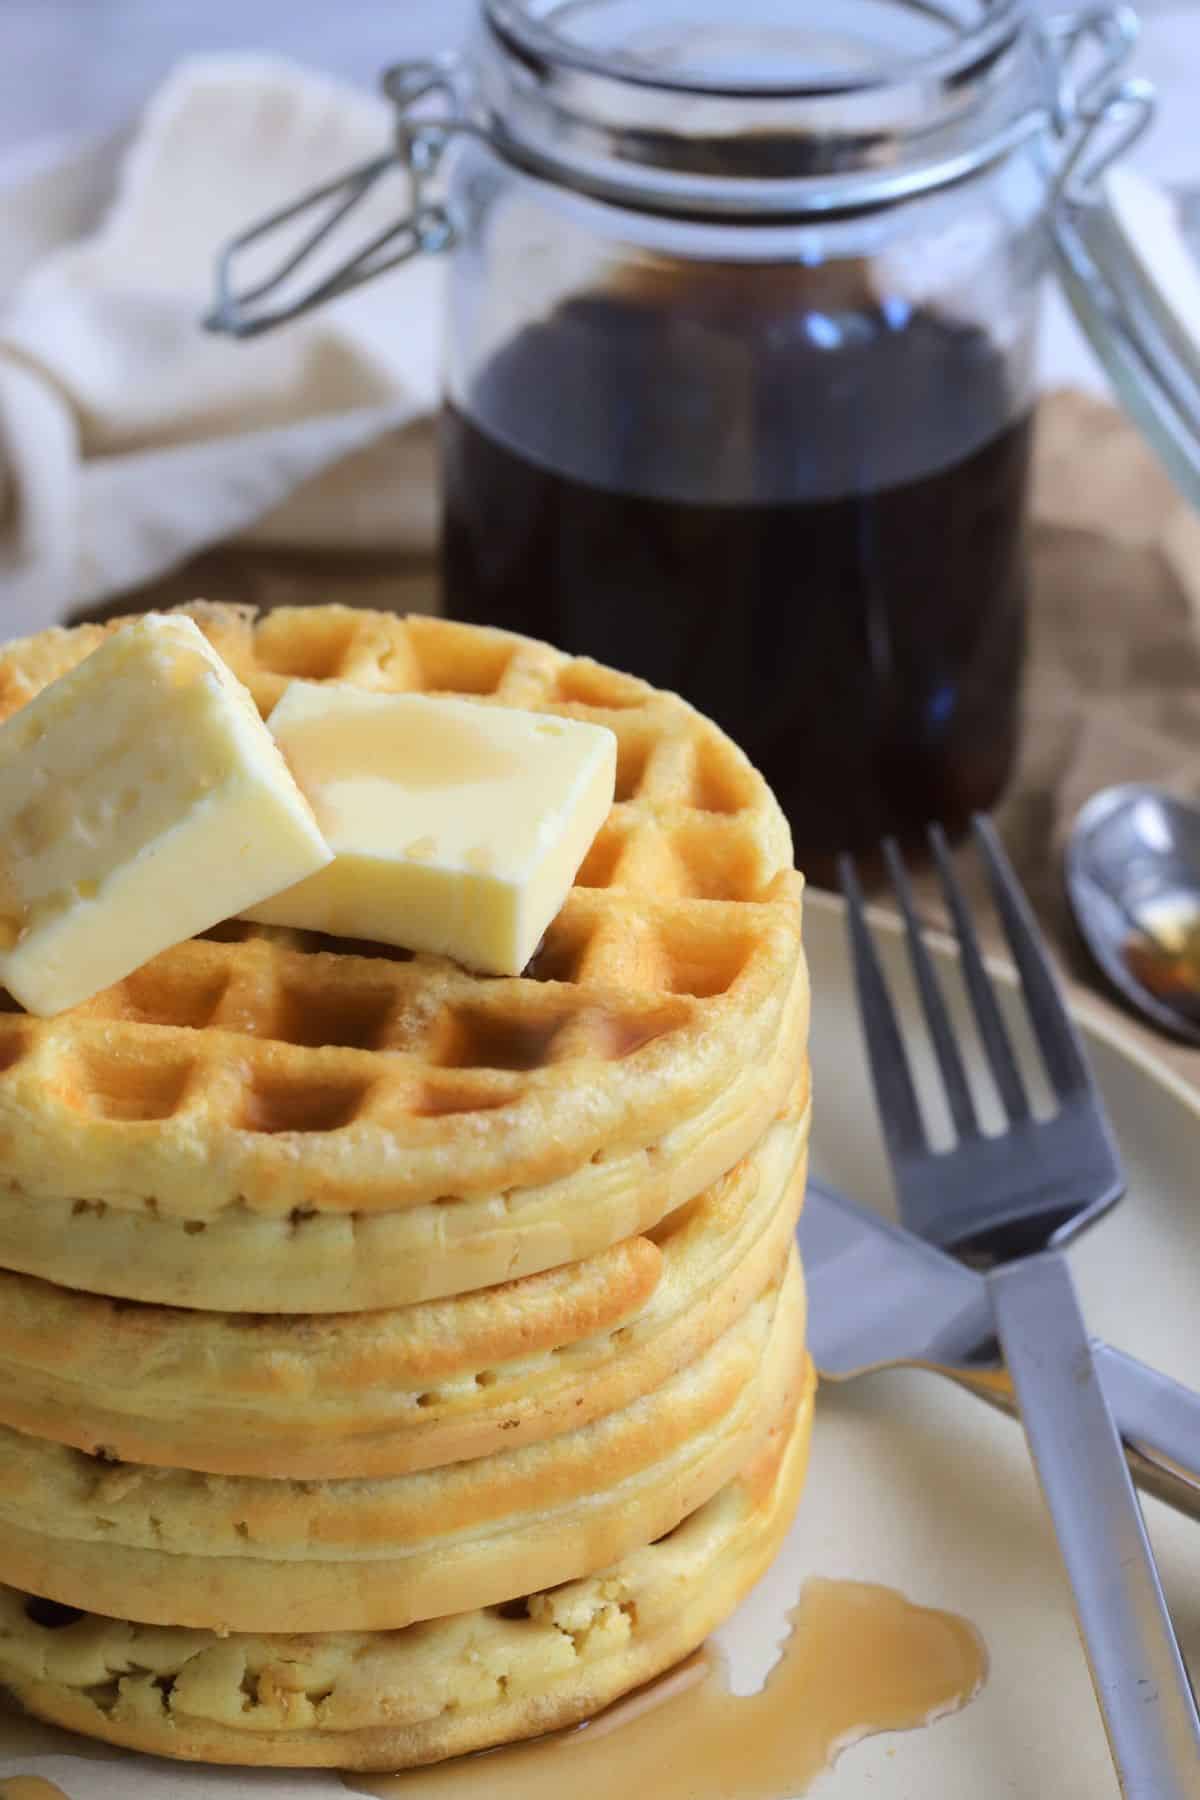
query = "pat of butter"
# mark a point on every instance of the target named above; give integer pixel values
(142, 800)
(457, 828)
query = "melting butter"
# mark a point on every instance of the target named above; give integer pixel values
(142, 800)
(456, 828)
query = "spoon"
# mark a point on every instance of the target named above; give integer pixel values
(1133, 881)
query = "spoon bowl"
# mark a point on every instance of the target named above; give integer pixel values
(1132, 872)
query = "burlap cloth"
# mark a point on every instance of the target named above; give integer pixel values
(1113, 685)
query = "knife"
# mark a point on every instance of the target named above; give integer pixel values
(880, 1298)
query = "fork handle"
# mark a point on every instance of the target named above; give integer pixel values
(1137, 1670)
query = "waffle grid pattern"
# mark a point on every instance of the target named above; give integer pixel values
(682, 920)
(276, 1133)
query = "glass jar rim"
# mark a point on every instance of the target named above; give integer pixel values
(646, 135)
(520, 25)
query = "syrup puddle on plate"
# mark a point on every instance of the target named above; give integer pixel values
(858, 1660)
(29, 1787)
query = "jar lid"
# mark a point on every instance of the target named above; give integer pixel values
(770, 110)
(1128, 253)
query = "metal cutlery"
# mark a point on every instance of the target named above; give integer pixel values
(881, 1298)
(1132, 874)
(1010, 1201)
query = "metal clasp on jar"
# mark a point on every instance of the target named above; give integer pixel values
(1090, 111)
(1099, 113)
(423, 229)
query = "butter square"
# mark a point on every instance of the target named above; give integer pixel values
(142, 800)
(457, 828)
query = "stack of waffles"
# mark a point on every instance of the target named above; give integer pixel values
(394, 1361)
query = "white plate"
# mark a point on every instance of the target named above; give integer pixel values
(917, 1485)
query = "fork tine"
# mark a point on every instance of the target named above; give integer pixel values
(933, 1003)
(996, 1042)
(890, 1072)
(1055, 1034)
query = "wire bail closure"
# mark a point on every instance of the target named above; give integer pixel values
(424, 228)
(1095, 112)
(1099, 113)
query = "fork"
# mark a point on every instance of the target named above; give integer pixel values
(1008, 1203)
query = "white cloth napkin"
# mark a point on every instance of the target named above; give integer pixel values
(130, 437)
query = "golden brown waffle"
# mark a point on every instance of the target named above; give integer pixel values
(387, 1700)
(314, 1262)
(281, 1080)
(571, 1194)
(415, 1387)
(168, 1546)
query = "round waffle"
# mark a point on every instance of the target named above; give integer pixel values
(309, 1261)
(275, 1120)
(387, 1700)
(170, 1546)
(415, 1387)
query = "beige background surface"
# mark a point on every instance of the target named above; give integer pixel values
(84, 65)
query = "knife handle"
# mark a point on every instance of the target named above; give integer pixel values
(1159, 1423)
(1158, 1419)
(1137, 1670)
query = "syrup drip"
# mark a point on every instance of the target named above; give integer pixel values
(1163, 952)
(858, 1659)
(1170, 972)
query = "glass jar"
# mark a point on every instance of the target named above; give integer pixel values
(739, 362)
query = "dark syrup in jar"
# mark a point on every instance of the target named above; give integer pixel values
(796, 503)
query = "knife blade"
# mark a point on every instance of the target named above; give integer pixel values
(880, 1297)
